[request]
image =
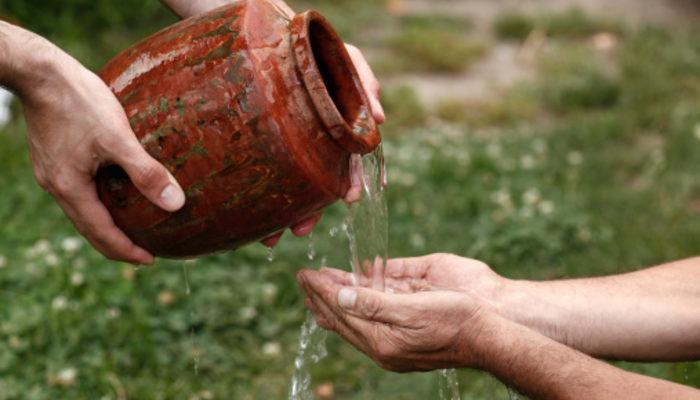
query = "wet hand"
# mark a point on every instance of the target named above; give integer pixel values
(417, 331)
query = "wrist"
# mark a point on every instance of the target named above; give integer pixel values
(29, 63)
(481, 340)
(528, 303)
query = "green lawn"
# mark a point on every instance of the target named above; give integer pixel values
(590, 169)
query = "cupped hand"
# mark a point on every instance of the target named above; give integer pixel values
(417, 331)
(75, 125)
(437, 272)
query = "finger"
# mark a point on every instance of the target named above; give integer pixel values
(339, 276)
(318, 316)
(414, 267)
(272, 241)
(369, 83)
(367, 304)
(329, 318)
(151, 178)
(354, 194)
(306, 226)
(93, 221)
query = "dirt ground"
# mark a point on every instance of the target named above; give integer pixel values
(505, 64)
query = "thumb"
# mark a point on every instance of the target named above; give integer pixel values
(373, 305)
(151, 178)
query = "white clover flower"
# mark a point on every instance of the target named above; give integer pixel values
(113, 313)
(272, 349)
(546, 207)
(248, 313)
(51, 259)
(540, 146)
(3, 261)
(71, 244)
(40, 248)
(696, 131)
(502, 198)
(166, 298)
(575, 158)
(203, 395)
(79, 263)
(532, 196)
(527, 212)
(66, 377)
(417, 240)
(269, 292)
(59, 303)
(77, 279)
(584, 234)
(15, 342)
(527, 162)
(494, 150)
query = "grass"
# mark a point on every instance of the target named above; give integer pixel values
(571, 24)
(594, 187)
(434, 44)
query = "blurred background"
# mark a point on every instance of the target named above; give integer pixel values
(550, 139)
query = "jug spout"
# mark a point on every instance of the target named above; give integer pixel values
(333, 83)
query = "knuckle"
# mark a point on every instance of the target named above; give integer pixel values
(59, 183)
(147, 174)
(107, 142)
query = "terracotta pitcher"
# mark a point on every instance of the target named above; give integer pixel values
(255, 113)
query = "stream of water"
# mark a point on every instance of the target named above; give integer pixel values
(193, 338)
(367, 230)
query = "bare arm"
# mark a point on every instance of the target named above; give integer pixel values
(545, 369)
(425, 330)
(648, 315)
(188, 8)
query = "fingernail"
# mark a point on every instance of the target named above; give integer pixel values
(172, 197)
(347, 298)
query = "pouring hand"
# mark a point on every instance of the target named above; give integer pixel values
(75, 125)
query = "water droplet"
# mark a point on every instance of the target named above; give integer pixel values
(188, 292)
(270, 254)
(513, 394)
(448, 386)
(311, 251)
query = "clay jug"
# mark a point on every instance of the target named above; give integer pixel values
(254, 111)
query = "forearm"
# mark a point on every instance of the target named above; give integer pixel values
(648, 315)
(545, 369)
(29, 62)
(189, 8)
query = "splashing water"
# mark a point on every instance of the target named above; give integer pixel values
(311, 250)
(448, 386)
(312, 348)
(193, 339)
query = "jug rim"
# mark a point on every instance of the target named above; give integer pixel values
(332, 81)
